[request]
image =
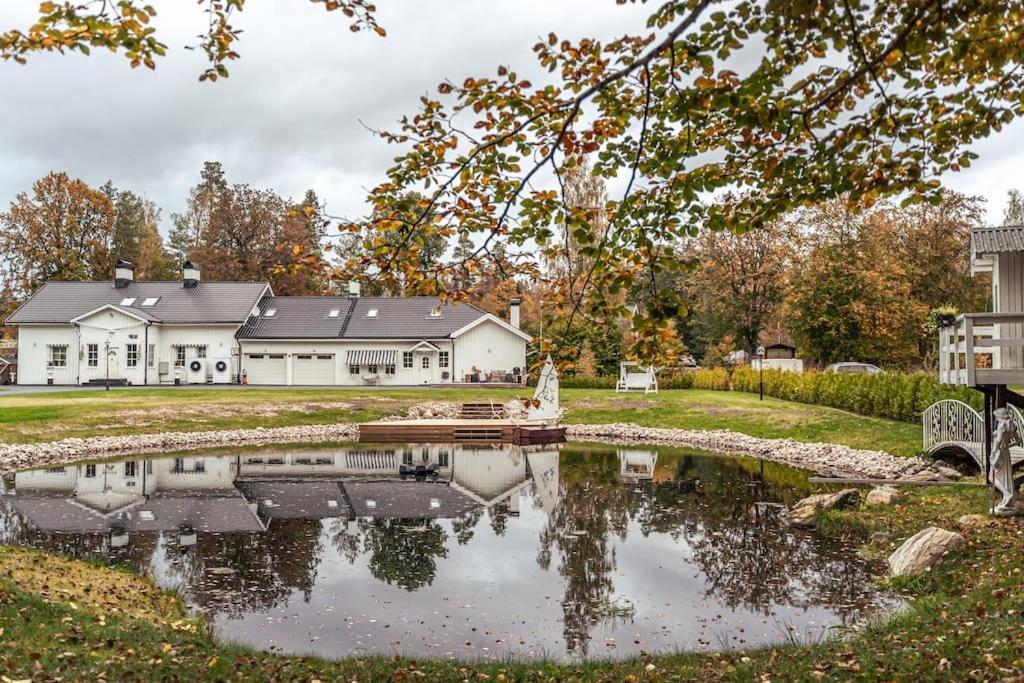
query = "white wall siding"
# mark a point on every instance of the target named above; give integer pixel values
(34, 353)
(339, 349)
(219, 341)
(488, 347)
(119, 331)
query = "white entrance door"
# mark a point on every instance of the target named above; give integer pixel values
(266, 368)
(425, 364)
(113, 370)
(313, 369)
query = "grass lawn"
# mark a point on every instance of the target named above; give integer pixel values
(48, 416)
(63, 619)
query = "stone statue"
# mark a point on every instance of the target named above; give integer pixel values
(1001, 473)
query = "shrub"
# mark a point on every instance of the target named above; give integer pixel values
(715, 379)
(895, 395)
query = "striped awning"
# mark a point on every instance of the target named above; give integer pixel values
(372, 357)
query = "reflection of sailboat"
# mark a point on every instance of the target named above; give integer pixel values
(544, 469)
(635, 466)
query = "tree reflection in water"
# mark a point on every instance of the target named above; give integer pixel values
(720, 513)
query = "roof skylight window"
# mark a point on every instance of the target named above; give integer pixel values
(435, 503)
(146, 515)
(435, 312)
(128, 301)
(334, 313)
(370, 503)
(270, 313)
(150, 301)
(372, 313)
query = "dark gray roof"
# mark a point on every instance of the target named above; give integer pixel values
(208, 302)
(299, 317)
(998, 239)
(406, 500)
(397, 318)
(57, 514)
(218, 514)
(296, 499)
(215, 514)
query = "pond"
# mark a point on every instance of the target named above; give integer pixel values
(454, 551)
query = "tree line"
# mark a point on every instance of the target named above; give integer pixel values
(839, 281)
(65, 229)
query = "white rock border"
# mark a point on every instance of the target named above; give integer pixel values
(21, 456)
(826, 459)
(830, 460)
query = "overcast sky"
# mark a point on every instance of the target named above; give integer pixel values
(289, 116)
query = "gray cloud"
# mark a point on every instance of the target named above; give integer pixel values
(289, 116)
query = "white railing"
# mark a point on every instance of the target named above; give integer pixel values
(952, 423)
(982, 348)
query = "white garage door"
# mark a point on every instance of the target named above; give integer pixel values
(313, 369)
(266, 368)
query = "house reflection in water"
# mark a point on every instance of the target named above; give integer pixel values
(455, 550)
(245, 493)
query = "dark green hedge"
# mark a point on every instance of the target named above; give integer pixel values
(895, 395)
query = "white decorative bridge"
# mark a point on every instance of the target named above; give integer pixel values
(954, 425)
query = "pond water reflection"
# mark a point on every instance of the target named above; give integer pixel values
(456, 551)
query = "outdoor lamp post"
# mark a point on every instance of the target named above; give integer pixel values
(760, 363)
(106, 348)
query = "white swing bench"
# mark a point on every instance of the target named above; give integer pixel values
(637, 377)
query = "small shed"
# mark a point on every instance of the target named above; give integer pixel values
(8, 369)
(780, 350)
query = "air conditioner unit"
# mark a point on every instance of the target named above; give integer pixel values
(221, 370)
(197, 371)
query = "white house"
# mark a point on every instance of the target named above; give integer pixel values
(379, 341)
(196, 332)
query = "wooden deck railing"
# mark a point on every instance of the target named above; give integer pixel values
(982, 348)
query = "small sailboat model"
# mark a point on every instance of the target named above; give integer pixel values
(541, 424)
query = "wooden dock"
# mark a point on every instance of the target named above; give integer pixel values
(459, 431)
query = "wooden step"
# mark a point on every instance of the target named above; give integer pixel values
(483, 411)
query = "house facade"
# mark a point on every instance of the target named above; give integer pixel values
(378, 341)
(197, 332)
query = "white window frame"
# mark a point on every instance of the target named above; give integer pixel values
(58, 352)
(425, 363)
(92, 355)
(353, 369)
(389, 368)
(179, 356)
(151, 355)
(442, 359)
(150, 301)
(201, 351)
(128, 301)
(407, 360)
(131, 355)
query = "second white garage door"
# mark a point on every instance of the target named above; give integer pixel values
(313, 369)
(266, 368)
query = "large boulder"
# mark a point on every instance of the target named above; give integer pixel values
(805, 512)
(923, 550)
(882, 495)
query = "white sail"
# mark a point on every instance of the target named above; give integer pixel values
(545, 398)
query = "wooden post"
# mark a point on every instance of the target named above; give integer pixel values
(987, 430)
(969, 350)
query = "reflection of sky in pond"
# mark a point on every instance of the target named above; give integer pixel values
(458, 551)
